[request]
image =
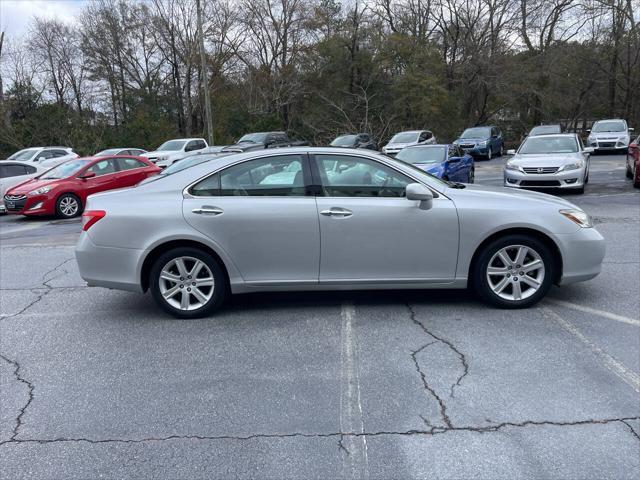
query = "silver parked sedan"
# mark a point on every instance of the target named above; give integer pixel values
(328, 219)
(549, 161)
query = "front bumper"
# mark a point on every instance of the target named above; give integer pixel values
(582, 255)
(476, 151)
(565, 180)
(25, 205)
(608, 144)
(109, 267)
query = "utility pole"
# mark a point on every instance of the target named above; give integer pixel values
(205, 79)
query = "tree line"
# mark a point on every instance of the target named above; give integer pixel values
(128, 72)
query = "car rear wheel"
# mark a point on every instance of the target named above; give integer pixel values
(68, 206)
(188, 283)
(514, 271)
(489, 153)
(472, 175)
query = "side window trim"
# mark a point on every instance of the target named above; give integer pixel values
(306, 178)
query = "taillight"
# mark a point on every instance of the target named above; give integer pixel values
(90, 217)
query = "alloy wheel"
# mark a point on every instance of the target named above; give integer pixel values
(515, 272)
(69, 206)
(186, 283)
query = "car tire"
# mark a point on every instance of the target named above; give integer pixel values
(68, 205)
(629, 173)
(501, 289)
(182, 300)
(472, 175)
(636, 180)
(489, 154)
(501, 154)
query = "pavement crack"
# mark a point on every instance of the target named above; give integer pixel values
(430, 432)
(429, 388)
(633, 431)
(43, 290)
(461, 356)
(30, 389)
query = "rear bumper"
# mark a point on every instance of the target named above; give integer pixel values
(582, 255)
(109, 267)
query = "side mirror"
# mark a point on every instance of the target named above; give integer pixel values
(86, 175)
(588, 130)
(417, 191)
(588, 149)
(631, 129)
(511, 152)
(39, 159)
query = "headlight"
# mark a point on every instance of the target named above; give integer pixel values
(39, 191)
(483, 144)
(578, 217)
(511, 166)
(572, 166)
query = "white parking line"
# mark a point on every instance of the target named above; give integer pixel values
(626, 375)
(593, 311)
(355, 462)
(22, 228)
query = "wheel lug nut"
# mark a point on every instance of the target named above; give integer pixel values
(189, 276)
(189, 289)
(517, 266)
(509, 267)
(193, 283)
(181, 278)
(181, 286)
(515, 279)
(521, 273)
(508, 275)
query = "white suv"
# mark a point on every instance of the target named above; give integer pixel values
(609, 135)
(174, 150)
(46, 156)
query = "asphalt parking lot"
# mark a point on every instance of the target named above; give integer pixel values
(100, 383)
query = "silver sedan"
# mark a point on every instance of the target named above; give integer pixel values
(329, 219)
(549, 161)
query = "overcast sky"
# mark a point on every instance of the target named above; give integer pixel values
(15, 15)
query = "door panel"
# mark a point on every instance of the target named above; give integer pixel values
(258, 213)
(378, 235)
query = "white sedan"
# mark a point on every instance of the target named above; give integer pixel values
(46, 156)
(12, 173)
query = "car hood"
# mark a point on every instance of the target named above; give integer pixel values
(603, 135)
(157, 153)
(31, 184)
(432, 168)
(547, 160)
(399, 145)
(507, 195)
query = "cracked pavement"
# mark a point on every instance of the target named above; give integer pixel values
(99, 383)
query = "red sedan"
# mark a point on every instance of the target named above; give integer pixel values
(63, 190)
(633, 162)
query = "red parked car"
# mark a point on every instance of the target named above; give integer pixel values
(633, 162)
(63, 190)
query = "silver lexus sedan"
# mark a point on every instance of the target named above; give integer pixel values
(549, 161)
(329, 219)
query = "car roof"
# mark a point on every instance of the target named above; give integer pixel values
(19, 162)
(611, 120)
(429, 146)
(551, 135)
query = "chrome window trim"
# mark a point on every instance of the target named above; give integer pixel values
(378, 158)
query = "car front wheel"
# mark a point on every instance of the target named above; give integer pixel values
(188, 283)
(514, 271)
(68, 206)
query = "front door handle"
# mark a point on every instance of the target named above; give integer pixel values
(208, 210)
(336, 212)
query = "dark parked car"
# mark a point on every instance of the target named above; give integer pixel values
(545, 130)
(447, 162)
(633, 162)
(262, 140)
(482, 141)
(351, 140)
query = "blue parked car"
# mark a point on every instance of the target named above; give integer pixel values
(485, 142)
(447, 162)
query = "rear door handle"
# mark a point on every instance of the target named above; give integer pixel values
(336, 212)
(208, 210)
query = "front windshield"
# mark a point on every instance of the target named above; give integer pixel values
(405, 137)
(609, 126)
(105, 153)
(253, 138)
(422, 155)
(171, 145)
(23, 155)
(542, 145)
(344, 141)
(476, 132)
(64, 170)
(544, 129)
